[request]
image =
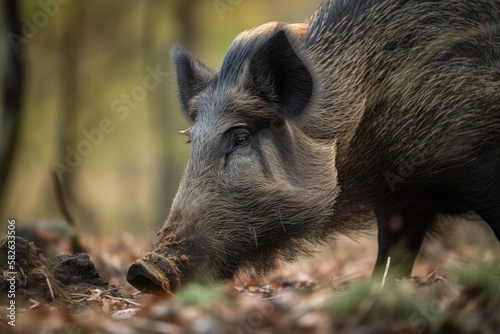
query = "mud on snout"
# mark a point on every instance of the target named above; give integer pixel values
(168, 266)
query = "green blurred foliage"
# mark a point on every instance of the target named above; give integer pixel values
(81, 59)
(201, 296)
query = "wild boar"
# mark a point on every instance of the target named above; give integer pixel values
(400, 97)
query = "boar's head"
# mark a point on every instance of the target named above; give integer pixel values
(256, 187)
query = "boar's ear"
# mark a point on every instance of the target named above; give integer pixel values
(192, 76)
(277, 71)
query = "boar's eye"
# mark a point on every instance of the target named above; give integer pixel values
(240, 139)
(237, 139)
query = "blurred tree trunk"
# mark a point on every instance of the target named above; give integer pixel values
(71, 47)
(13, 77)
(153, 11)
(185, 12)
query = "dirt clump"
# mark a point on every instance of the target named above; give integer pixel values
(33, 282)
(77, 270)
(70, 282)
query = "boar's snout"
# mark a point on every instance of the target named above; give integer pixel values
(154, 274)
(176, 260)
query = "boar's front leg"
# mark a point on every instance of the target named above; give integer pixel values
(485, 181)
(400, 236)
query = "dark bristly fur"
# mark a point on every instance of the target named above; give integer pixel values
(403, 94)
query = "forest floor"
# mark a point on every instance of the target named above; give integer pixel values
(329, 293)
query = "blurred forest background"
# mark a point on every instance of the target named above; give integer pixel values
(98, 101)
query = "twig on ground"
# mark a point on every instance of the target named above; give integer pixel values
(50, 287)
(387, 265)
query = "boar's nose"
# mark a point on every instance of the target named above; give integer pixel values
(143, 278)
(154, 274)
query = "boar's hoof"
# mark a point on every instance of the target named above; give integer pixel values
(154, 274)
